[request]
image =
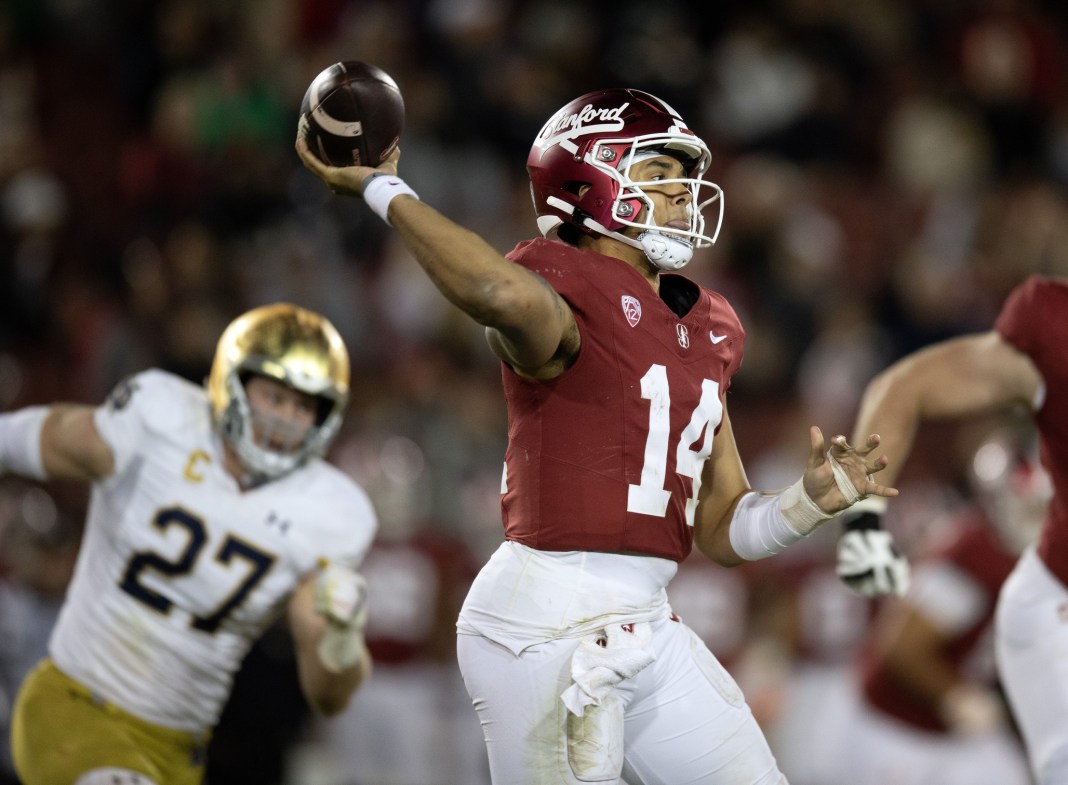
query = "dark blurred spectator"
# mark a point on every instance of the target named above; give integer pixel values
(38, 548)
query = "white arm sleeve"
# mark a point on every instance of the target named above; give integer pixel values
(20, 442)
(766, 524)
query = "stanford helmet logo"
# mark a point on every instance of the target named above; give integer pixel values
(563, 127)
(632, 309)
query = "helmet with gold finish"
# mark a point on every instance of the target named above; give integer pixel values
(293, 346)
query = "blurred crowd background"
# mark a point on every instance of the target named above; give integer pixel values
(892, 168)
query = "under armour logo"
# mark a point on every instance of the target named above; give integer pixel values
(273, 519)
(684, 335)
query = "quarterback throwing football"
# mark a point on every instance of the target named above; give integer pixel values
(620, 456)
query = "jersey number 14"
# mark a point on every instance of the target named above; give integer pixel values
(649, 496)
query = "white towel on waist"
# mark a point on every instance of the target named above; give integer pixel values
(599, 664)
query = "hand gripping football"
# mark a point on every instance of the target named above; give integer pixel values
(352, 114)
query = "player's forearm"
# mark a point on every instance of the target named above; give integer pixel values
(327, 688)
(712, 523)
(723, 484)
(957, 378)
(914, 653)
(890, 407)
(328, 691)
(912, 649)
(332, 658)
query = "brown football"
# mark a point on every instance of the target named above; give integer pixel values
(352, 114)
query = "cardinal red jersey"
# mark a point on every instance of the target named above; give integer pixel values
(1034, 319)
(416, 585)
(974, 549)
(608, 455)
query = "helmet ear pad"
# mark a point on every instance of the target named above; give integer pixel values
(597, 197)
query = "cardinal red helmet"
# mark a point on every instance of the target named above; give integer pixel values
(594, 140)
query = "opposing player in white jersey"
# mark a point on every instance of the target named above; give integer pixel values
(621, 456)
(212, 512)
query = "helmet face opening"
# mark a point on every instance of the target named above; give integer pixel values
(593, 143)
(297, 348)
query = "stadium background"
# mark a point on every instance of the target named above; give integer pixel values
(891, 170)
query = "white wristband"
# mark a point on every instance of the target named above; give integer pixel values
(20, 442)
(801, 513)
(766, 524)
(380, 189)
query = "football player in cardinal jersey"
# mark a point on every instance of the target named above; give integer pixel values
(1019, 364)
(211, 513)
(930, 712)
(621, 455)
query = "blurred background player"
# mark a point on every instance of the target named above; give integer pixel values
(1017, 366)
(931, 710)
(211, 513)
(621, 454)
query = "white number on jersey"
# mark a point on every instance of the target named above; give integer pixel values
(650, 497)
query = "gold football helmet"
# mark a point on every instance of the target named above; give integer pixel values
(296, 347)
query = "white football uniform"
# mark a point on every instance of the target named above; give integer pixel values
(180, 571)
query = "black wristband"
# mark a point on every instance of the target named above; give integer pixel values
(865, 521)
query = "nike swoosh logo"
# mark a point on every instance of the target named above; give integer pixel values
(716, 338)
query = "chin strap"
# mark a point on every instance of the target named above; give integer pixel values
(665, 251)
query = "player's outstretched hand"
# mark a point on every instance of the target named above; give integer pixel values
(341, 596)
(840, 475)
(343, 180)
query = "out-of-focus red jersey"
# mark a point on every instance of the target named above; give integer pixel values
(975, 550)
(1034, 319)
(416, 585)
(604, 457)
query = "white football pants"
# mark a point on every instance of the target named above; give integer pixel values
(1031, 641)
(683, 718)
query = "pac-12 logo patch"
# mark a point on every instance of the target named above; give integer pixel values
(632, 309)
